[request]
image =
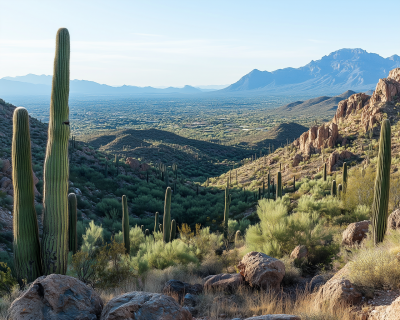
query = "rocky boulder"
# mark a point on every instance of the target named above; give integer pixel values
(297, 159)
(178, 289)
(337, 159)
(355, 233)
(300, 252)
(353, 103)
(261, 271)
(223, 282)
(394, 220)
(390, 312)
(56, 297)
(338, 291)
(387, 88)
(144, 306)
(316, 138)
(133, 163)
(275, 317)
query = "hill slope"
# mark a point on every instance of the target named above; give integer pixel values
(354, 69)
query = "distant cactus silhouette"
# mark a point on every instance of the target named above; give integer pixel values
(26, 234)
(382, 184)
(56, 167)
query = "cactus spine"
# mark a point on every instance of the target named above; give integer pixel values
(333, 188)
(73, 219)
(167, 216)
(382, 184)
(324, 171)
(344, 177)
(173, 230)
(156, 223)
(26, 234)
(228, 199)
(125, 224)
(55, 196)
(279, 186)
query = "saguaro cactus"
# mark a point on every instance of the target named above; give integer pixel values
(228, 199)
(344, 177)
(269, 184)
(382, 184)
(147, 232)
(333, 188)
(324, 171)
(339, 190)
(125, 224)
(73, 219)
(167, 216)
(26, 235)
(279, 185)
(237, 237)
(173, 230)
(55, 195)
(156, 223)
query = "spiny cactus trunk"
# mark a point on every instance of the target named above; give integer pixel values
(125, 224)
(173, 230)
(269, 185)
(382, 184)
(226, 212)
(344, 177)
(339, 190)
(73, 219)
(333, 188)
(279, 186)
(167, 216)
(156, 223)
(26, 234)
(56, 167)
(324, 171)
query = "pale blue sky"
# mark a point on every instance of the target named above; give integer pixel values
(173, 43)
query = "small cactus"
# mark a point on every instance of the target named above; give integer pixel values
(324, 171)
(167, 216)
(147, 232)
(228, 199)
(173, 230)
(339, 191)
(279, 185)
(344, 177)
(237, 237)
(125, 224)
(156, 223)
(73, 219)
(333, 188)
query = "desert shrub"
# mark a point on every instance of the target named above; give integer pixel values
(328, 206)
(292, 273)
(243, 225)
(136, 237)
(92, 238)
(107, 205)
(278, 233)
(7, 281)
(361, 213)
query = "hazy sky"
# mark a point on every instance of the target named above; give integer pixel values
(174, 43)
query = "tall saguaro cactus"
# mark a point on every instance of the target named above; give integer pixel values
(173, 230)
(382, 184)
(279, 185)
(333, 188)
(156, 223)
(125, 224)
(167, 216)
(26, 234)
(344, 177)
(228, 199)
(55, 195)
(73, 219)
(324, 171)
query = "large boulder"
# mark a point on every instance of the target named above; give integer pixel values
(56, 297)
(338, 291)
(390, 312)
(178, 289)
(355, 233)
(144, 306)
(275, 317)
(261, 271)
(394, 220)
(223, 282)
(297, 159)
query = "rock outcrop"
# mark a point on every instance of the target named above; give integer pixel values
(261, 271)
(178, 289)
(223, 282)
(316, 138)
(144, 306)
(297, 159)
(390, 312)
(394, 220)
(387, 88)
(275, 317)
(56, 297)
(300, 252)
(355, 233)
(337, 159)
(354, 103)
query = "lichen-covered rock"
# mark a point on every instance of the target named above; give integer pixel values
(177, 289)
(144, 306)
(261, 271)
(355, 233)
(223, 282)
(56, 297)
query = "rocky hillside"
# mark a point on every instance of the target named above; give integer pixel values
(351, 136)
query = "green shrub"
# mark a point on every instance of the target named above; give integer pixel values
(7, 281)
(328, 206)
(92, 238)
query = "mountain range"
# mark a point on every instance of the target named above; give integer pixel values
(342, 70)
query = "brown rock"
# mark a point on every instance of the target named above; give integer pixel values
(177, 289)
(144, 167)
(387, 88)
(338, 291)
(262, 271)
(6, 166)
(56, 297)
(336, 160)
(275, 317)
(300, 252)
(356, 102)
(144, 306)
(317, 138)
(390, 312)
(394, 220)
(133, 163)
(297, 159)
(223, 282)
(355, 233)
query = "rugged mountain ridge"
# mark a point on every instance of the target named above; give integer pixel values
(354, 69)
